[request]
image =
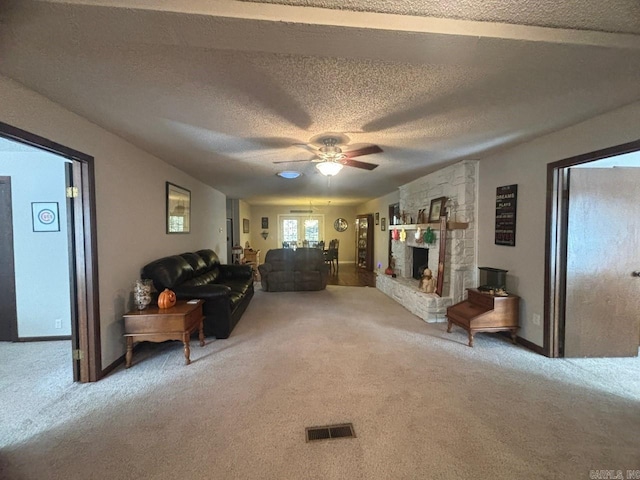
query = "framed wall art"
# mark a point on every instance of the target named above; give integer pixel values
(45, 216)
(506, 203)
(436, 209)
(178, 209)
(245, 225)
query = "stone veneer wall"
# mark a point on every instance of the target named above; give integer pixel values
(458, 183)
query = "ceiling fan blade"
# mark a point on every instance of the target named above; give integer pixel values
(355, 163)
(363, 151)
(295, 161)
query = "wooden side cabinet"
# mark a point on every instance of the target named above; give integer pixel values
(364, 242)
(155, 324)
(484, 312)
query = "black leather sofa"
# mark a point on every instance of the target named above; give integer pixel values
(285, 269)
(225, 289)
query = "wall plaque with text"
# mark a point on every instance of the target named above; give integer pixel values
(506, 200)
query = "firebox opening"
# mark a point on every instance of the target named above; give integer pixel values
(420, 261)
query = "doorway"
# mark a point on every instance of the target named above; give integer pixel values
(82, 252)
(229, 240)
(584, 236)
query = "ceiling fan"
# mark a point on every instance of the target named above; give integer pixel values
(330, 158)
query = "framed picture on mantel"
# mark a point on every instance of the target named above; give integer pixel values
(436, 209)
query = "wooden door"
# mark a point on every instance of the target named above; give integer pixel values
(8, 312)
(603, 250)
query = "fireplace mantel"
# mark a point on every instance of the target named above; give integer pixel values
(450, 226)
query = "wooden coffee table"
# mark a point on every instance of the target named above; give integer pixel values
(155, 324)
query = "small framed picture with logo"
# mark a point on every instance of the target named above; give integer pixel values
(45, 216)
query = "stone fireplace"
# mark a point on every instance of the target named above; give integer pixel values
(458, 183)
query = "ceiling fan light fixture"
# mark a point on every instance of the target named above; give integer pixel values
(329, 169)
(331, 153)
(289, 174)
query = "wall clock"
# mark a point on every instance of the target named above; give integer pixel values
(340, 224)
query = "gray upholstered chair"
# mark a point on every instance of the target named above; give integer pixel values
(285, 269)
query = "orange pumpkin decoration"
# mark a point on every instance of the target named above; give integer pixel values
(166, 299)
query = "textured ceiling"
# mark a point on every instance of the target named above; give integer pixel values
(621, 16)
(223, 89)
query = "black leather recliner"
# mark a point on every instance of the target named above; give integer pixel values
(225, 289)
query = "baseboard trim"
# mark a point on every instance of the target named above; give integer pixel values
(112, 366)
(525, 343)
(116, 363)
(43, 339)
(531, 346)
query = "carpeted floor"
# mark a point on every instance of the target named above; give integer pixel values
(423, 404)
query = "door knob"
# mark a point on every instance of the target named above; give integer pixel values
(635, 274)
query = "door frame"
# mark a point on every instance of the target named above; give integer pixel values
(83, 254)
(8, 311)
(229, 225)
(556, 242)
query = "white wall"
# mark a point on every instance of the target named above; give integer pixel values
(526, 165)
(130, 203)
(41, 258)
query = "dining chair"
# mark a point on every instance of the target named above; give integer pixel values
(331, 255)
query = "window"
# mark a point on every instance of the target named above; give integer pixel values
(312, 229)
(290, 230)
(298, 228)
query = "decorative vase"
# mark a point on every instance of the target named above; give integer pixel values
(142, 293)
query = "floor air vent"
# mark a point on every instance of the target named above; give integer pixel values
(344, 430)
